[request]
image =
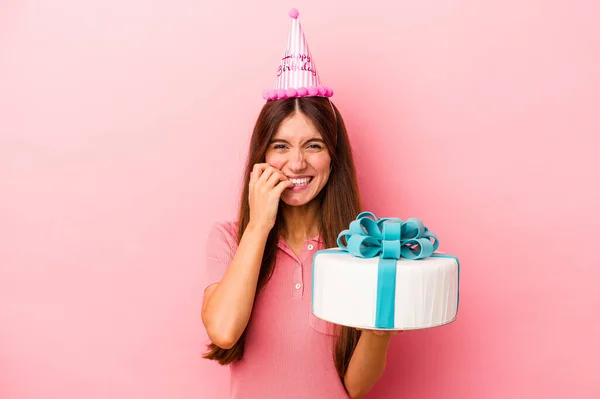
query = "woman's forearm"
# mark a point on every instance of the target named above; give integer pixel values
(367, 363)
(228, 304)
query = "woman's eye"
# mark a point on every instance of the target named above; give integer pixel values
(279, 146)
(315, 146)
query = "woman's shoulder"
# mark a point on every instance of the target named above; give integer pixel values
(224, 231)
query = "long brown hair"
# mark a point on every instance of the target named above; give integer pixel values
(339, 200)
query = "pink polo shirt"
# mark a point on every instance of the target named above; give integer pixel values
(288, 351)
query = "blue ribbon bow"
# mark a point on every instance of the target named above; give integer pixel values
(390, 239)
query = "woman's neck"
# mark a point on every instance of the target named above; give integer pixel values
(300, 222)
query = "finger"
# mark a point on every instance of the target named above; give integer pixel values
(266, 174)
(282, 176)
(283, 185)
(257, 170)
(275, 178)
(269, 172)
(253, 176)
(260, 167)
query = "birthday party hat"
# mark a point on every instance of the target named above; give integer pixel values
(297, 74)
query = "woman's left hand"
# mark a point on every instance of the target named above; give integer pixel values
(382, 333)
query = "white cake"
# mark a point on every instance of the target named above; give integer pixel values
(345, 291)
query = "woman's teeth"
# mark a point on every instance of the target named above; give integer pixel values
(301, 182)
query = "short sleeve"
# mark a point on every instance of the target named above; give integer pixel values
(221, 245)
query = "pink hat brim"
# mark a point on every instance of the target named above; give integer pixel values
(312, 91)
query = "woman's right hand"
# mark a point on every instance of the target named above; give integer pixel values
(265, 188)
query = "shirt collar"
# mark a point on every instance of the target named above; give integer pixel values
(317, 239)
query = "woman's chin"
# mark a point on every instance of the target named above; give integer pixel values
(296, 199)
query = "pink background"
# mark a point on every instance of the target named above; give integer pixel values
(123, 127)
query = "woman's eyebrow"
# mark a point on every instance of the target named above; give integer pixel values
(306, 141)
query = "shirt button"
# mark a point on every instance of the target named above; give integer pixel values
(298, 285)
(310, 247)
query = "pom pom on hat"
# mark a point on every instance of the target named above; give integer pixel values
(313, 91)
(294, 13)
(291, 92)
(281, 93)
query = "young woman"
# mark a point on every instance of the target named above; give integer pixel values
(300, 191)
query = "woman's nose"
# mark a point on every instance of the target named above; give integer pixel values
(297, 161)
